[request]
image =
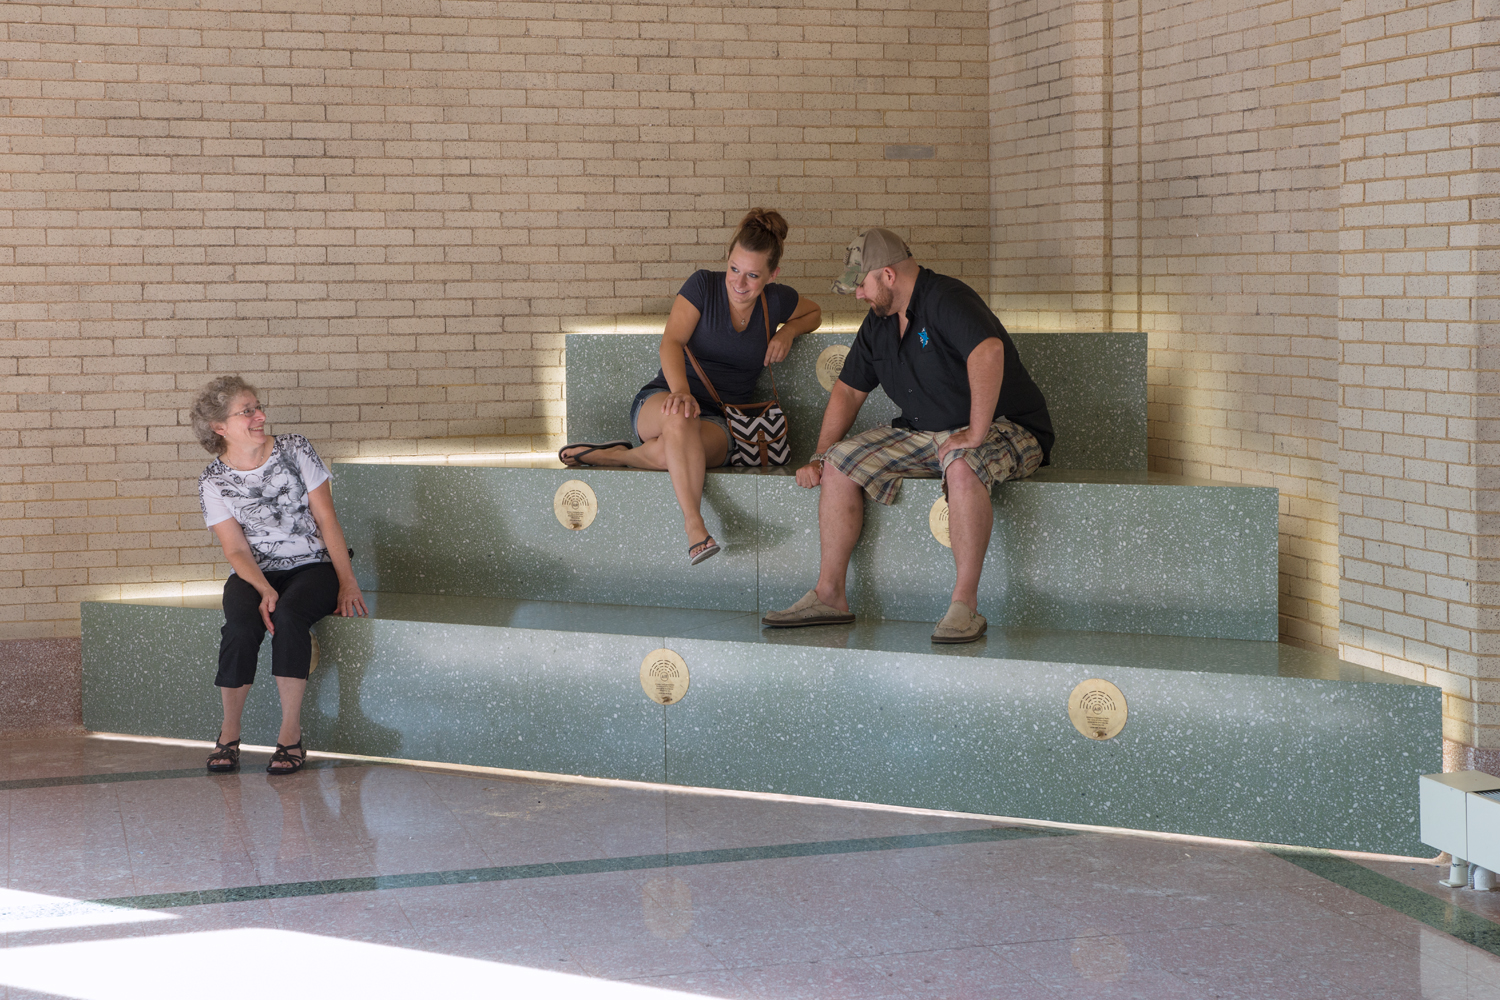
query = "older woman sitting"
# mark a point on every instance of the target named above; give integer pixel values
(269, 502)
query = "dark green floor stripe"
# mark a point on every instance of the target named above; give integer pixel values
(180, 772)
(327, 887)
(1414, 903)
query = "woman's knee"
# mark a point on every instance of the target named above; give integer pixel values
(690, 432)
(648, 417)
(243, 624)
(675, 425)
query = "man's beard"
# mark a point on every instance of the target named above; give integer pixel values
(881, 300)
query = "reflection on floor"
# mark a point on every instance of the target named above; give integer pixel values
(129, 872)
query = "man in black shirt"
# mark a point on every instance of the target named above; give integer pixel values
(970, 413)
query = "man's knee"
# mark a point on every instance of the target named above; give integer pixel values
(960, 476)
(836, 482)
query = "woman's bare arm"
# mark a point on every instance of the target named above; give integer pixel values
(806, 318)
(237, 550)
(680, 326)
(320, 502)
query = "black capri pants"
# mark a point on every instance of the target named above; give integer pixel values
(307, 594)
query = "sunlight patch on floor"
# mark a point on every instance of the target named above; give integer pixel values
(35, 911)
(182, 967)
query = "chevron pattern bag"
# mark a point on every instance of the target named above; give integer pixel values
(757, 431)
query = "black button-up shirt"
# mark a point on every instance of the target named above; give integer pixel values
(926, 372)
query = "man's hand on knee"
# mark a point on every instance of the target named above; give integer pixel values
(811, 474)
(964, 437)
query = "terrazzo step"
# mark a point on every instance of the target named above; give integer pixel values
(1100, 551)
(1245, 740)
(1095, 385)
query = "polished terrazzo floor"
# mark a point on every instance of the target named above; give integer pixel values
(129, 873)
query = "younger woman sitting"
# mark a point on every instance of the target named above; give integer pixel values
(721, 316)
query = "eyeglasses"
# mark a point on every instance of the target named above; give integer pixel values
(249, 410)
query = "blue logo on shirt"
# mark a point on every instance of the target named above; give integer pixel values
(922, 336)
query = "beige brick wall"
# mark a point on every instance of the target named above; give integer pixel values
(1239, 263)
(1173, 168)
(1051, 203)
(386, 213)
(1418, 365)
(1296, 202)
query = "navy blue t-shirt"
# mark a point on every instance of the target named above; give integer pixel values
(732, 359)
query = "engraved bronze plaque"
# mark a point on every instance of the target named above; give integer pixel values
(1097, 709)
(937, 520)
(575, 505)
(830, 363)
(664, 676)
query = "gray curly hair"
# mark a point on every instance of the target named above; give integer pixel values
(212, 407)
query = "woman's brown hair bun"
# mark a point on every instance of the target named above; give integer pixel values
(762, 230)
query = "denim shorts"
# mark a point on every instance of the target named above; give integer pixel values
(712, 418)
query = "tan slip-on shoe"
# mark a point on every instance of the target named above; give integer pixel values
(959, 625)
(808, 611)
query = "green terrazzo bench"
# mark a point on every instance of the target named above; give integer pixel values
(499, 637)
(1111, 551)
(1246, 740)
(1095, 384)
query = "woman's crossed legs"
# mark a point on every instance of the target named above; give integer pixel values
(686, 447)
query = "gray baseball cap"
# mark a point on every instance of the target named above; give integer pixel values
(870, 250)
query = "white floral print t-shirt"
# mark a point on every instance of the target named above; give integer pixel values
(270, 503)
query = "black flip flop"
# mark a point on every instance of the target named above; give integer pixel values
(708, 547)
(588, 448)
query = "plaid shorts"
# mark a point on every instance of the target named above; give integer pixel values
(881, 457)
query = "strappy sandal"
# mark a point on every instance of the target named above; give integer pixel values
(699, 551)
(283, 756)
(229, 753)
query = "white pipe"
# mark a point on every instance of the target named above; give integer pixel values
(1458, 874)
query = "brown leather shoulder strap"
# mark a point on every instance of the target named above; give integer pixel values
(703, 377)
(765, 311)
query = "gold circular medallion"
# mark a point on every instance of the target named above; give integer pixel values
(830, 363)
(575, 505)
(664, 676)
(1097, 709)
(937, 520)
